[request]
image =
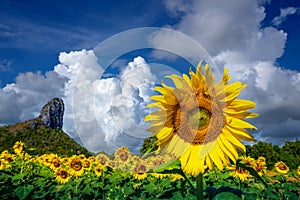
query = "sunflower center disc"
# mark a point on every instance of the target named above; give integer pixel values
(199, 118)
(199, 125)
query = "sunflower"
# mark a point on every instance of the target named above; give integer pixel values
(261, 159)
(298, 170)
(260, 166)
(281, 167)
(249, 161)
(2, 164)
(62, 175)
(239, 173)
(102, 158)
(139, 171)
(46, 159)
(122, 154)
(18, 147)
(76, 166)
(201, 122)
(112, 164)
(135, 159)
(88, 163)
(55, 162)
(99, 169)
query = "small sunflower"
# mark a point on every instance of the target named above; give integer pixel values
(2, 164)
(298, 170)
(135, 159)
(248, 161)
(239, 173)
(261, 159)
(139, 171)
(201, 122)
(281, 167)
(112, 164)
(9, 158)
(260, 166)
(18, 147)
(99, 169)
(46, 159)
(155, 161)
(55, 163)
(76, 166)
(122, 154)
(62, 175)
(87, 164)
(102, 158)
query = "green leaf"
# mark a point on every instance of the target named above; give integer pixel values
(23, 191)
(6, 173)
(174, 164)
(227, 196)
(18, 176)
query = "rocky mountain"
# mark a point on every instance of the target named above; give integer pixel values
(43, 134)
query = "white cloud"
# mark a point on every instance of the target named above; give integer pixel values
(232, 34)
(105, 113)
(284, 12)
(217, 25)
(23, 99)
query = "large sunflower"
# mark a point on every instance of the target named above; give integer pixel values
(201, 122)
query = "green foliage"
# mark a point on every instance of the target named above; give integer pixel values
(40, 141)
(289, 153)
(149, 145)
(27, 179)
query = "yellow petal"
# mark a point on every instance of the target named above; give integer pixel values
(209, 77)
(241, 133)
(226, 150)
(236, 142)
(241, 104)
(239, 123)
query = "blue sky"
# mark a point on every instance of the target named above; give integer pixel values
(257, 40)
(32, 33)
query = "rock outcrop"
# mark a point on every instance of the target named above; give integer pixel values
(51, 115)
(44, 134)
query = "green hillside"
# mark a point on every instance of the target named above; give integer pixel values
(40, 140)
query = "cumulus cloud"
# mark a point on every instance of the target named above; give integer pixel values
(23, 99)
(217, 25)
(284, 12)
(105, 113)
(233, 36)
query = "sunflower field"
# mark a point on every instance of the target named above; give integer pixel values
(127, 176)
(196, 152)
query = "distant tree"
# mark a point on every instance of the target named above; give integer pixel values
(267, 150)
(289, 153)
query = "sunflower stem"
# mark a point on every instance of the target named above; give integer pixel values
(199, 187)
(189, 182)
